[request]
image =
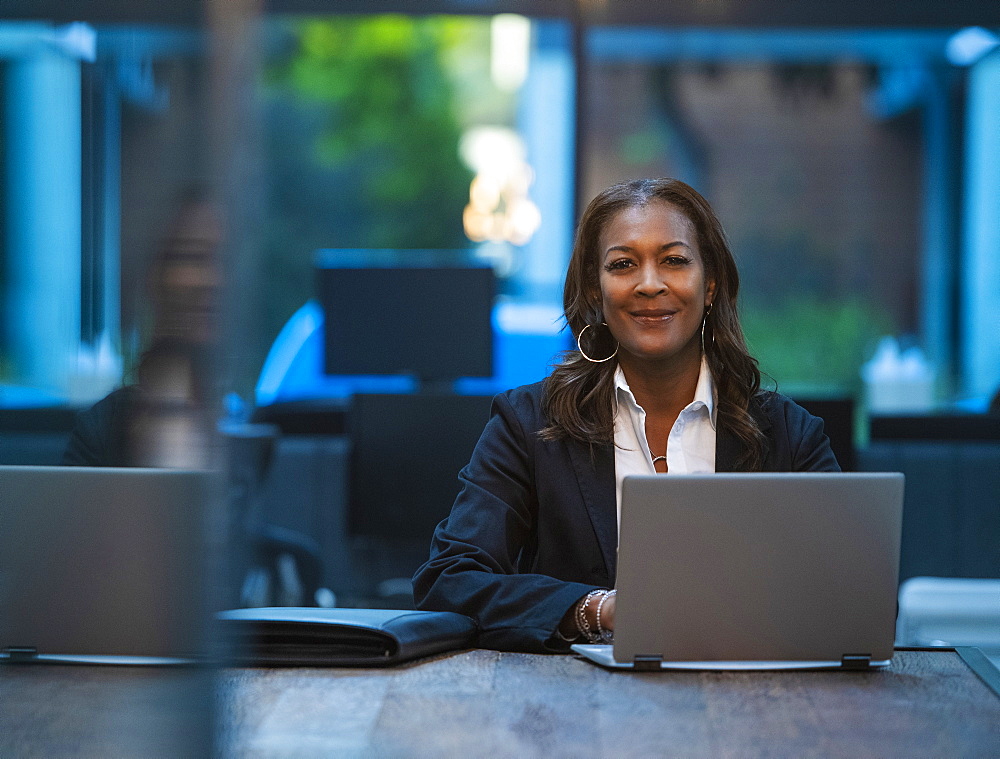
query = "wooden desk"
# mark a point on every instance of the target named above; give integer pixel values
(484, 703)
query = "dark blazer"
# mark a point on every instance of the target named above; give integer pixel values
(100, 435)
(534, 527)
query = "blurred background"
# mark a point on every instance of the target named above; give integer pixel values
(851, 149)
(851, 154)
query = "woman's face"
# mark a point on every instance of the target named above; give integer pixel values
(653, 285)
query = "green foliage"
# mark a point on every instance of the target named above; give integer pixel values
(389, 124)
(807, 342)
(809, 315)
(361, 135)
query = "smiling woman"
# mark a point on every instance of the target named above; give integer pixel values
(656, 298)
(667, 223)
(662, 383)
(653, 287)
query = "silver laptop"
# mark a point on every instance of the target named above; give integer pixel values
(102, 565)
(756, 571)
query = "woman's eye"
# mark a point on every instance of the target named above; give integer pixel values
(621, 263)
(676, 260)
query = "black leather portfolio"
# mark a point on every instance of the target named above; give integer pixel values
(314, 637)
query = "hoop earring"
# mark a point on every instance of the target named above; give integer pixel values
(594, 360)
(704, 321)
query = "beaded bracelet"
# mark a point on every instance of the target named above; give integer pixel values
(582, 625)
(605, 636)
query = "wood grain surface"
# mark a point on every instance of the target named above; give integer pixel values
(491, 704)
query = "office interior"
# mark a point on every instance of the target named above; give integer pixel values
(851, 150)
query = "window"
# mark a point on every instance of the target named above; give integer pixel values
(834, 160)
(416, 134)
(100, 130)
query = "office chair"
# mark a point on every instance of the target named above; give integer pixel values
(406, 453)
(274, 566)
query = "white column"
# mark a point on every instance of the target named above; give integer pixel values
(111, 221)
(545, 120)
(42, 301)
(936, 318)
(981, 239)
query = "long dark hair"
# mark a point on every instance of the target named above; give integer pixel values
(578, 393)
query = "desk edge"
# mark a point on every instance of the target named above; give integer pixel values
(976, 661)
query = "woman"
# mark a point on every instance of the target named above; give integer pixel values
(662, 382)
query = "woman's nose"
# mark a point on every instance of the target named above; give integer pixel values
(650, 281)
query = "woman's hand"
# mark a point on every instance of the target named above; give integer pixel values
(591, 625)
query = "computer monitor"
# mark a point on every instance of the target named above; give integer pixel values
(406, 312)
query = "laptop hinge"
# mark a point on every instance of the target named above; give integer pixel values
(647, 662)
(856, 661)
(20, 654)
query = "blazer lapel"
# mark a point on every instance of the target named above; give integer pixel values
(728, 447)
(596, 477)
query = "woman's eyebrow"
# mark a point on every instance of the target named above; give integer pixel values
(664, 247)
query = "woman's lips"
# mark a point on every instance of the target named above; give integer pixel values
(652, 316)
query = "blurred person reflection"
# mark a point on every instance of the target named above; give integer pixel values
(163, 419)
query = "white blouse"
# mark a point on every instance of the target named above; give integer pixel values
(690, 444)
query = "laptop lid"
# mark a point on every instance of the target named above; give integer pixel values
(797, 568)
(102, 562)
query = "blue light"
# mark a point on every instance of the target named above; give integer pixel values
(969, 45)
